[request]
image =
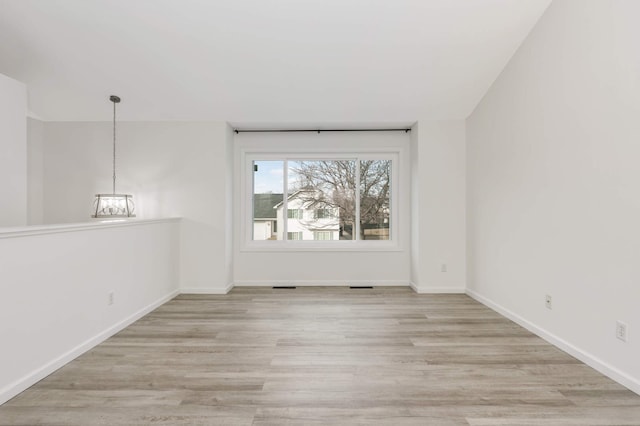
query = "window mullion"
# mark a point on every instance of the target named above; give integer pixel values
(285, 203)
(250, 199)
(357, 195)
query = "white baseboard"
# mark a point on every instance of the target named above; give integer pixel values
(613, 373)
(425, 289)
(31, 379)
(207, 290)
(322, 283)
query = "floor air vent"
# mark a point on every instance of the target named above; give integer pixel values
(360, 286)
(283, 287)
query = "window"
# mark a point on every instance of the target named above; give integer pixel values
(322, 214)
(323, 235)
(295, 213)
(322, 197)
(375, 191)
(267, 195)
(294, 235)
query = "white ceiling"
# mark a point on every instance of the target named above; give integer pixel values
(260, 61)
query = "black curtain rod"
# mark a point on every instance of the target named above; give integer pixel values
(319, 130)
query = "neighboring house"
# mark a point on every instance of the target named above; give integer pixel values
(307, 223)
(265, 225)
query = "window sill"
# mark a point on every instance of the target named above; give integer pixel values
(310, 246)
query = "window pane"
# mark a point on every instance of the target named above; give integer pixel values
(375, 194)
(323, 235)
(323, 214)
(295, 214)
(324, 193)
(268, 185)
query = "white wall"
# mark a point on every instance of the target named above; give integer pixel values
(325, 267)
(35, 172)
(187, 170)
(554, 184)
(173, 169)
(13, 152)
(55, 288)
(438, 206)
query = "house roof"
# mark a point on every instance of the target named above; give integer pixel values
(291, 196)
(264, 205)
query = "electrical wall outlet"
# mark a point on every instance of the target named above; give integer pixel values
(548, 302)
(621, 331)
(111, 298)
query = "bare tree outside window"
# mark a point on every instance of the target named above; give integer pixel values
(375, 194)
(327, 185)
(331, 184)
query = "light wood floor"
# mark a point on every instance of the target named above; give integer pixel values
(385, 356)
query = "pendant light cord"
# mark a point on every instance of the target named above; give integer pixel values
(114, 148)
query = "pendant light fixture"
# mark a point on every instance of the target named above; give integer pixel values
(113, 205)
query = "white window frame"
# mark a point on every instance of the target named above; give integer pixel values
(247, 158)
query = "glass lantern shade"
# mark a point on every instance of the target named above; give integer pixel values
(113, 205)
